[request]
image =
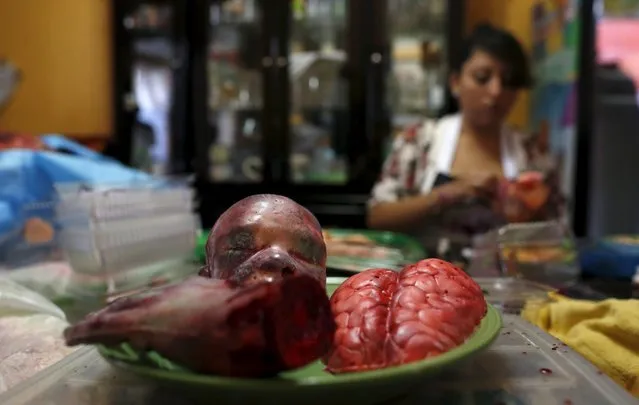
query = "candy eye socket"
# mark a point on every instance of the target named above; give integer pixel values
(242, 239)
(234, 257)
(310, 249)
(235, 248)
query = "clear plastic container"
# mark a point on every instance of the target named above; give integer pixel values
(78, 203)
(510, 294)
(102, 228)
(525, 366)
(116, 246)
(544, 251)
(111, 234)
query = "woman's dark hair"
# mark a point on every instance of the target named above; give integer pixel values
(501, 45)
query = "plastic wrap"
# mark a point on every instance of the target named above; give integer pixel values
(29, 344)
(78, 294)
(16, 300)
(30, 333)
(49, 279)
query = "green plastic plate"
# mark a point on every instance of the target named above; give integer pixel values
(200, 246)
(309, 385)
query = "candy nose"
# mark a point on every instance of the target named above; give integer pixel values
(277, 262)
(273, 266)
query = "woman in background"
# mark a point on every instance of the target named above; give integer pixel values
(444, 178)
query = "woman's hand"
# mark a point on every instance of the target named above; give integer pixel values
(482, 184)
(479, 185)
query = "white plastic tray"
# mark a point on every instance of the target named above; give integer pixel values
(510, 372)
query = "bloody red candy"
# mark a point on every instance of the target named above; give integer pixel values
(259, 309)
(522, 198)
(214, 326)
(385, 318)
(264, 237)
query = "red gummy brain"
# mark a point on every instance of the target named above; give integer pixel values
(385, 318)
(265, 237)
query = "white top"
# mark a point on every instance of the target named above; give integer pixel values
(428, 149)
(444, 146)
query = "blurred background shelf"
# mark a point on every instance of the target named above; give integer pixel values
(301, 99)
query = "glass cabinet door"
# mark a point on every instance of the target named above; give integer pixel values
(235, 92)
(151, 27)
(318, 92)
(417, 80)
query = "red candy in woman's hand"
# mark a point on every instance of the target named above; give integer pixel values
(265, 237)
(385, 318)
(531, 189)
(521, 199)
(530, 179)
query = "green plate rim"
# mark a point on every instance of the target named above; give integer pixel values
(484, 336)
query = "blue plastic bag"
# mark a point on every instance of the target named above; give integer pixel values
(28, 180)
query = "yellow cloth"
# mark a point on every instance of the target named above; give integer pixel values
(606, 332)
